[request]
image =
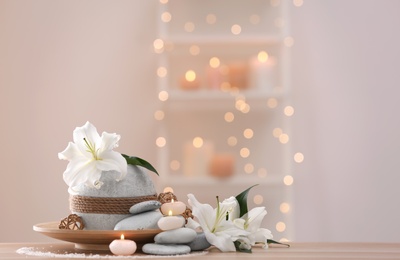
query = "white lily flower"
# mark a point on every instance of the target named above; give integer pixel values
(89, 155)
(251, 222)
(216, 223)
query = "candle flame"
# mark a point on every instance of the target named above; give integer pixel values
(190, 75)
(122, 237)
(172, 200)
(262, 56)
(170, 213)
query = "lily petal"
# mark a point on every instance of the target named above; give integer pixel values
(254, 218)
(204, 213)
(230, 206)
(222, 241)
(76, 171)
(260, 236)
(70, 152)
(239, 222)
(192, 224)
(112, 161)
(108, 141)
(88, 132)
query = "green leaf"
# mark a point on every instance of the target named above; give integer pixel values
(242, 199)
(243, 250)
(270, 241)
(140, 162)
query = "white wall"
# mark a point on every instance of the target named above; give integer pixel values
(65, 62)
(346, 91)
(62, 63)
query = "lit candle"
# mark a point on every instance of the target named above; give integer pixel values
(262, 71)
(173, 207)
(123, 246)
(238, 75)
(196, 158)
(171, 222)
(222, 165)
(214, 76)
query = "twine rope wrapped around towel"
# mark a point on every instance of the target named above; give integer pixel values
(105, 205)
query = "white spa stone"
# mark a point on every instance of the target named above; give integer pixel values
(176, 236)
(145, 220)
(145, 206)
(171, 222)
(199, 243)
(157, 249)
(137, 183)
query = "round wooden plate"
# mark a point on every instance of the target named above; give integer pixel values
(94, 239)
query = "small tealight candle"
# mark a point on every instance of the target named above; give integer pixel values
(123, 246)
(176, 207)
(171, 222)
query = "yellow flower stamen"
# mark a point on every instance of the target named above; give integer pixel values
(91, 149)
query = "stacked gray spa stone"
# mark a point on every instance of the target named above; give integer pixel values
(145, 215)
(176, 242)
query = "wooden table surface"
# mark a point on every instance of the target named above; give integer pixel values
(296, 251)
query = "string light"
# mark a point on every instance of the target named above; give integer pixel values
(248, 133)
(232, 141)
(254, 19)
(163, 95)
(214, 62)
(211, 18)
(262, 172)
(288, 111)
(288, 41)
(284, 207)
(166, 17)
(168, 189)
(161, 141)
(277, 132)
(275, 3)
(249, 168)
(159, 115)
(189, 27)
(175, 165)
(194, 50)
(258, 199)
(283, 138)
(229, 117)
(298, 157)
(280, 226)
(298, 3)
(236, 29)
(244, 152)
(288, 180)
(158, 45)
(161, 72)
(272, 102)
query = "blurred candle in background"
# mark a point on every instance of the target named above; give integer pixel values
(238, 74)
(214, 77)
(222, 165)
(261, 71)
(196, 157)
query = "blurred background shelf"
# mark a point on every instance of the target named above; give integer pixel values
(224, 91)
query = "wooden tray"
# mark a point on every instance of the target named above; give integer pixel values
(94, 239)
